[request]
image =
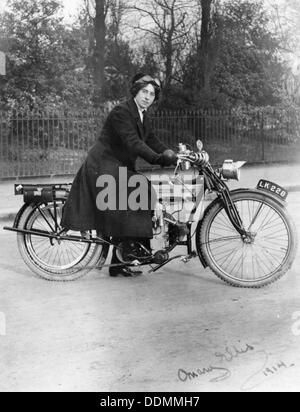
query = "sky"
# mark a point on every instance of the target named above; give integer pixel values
(71, 6)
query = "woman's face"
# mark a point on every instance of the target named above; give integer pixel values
(145, 96)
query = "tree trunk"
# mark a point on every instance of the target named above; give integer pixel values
(168, 48)
(204, 78)
(169, 65)
(99, 51)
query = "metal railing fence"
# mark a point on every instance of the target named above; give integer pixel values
(43, 144)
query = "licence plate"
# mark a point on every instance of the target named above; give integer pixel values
(273, 188)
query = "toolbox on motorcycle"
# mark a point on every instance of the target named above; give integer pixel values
(43, 193)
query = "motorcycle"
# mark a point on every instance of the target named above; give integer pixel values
(245, 236)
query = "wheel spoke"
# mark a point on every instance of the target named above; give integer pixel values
(251, 259)
(55, 256)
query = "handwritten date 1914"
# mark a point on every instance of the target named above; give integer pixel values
(276, 368)
(265, 373)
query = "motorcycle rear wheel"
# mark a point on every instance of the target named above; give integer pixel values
(247, 264)
(54, 260)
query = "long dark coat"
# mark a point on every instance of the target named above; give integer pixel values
(122, 140)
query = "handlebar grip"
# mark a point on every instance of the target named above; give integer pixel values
(201, 159)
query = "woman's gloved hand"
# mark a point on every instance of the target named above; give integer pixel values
(167, 158)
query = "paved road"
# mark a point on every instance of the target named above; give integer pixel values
(106, 334)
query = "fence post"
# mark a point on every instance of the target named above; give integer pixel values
(262, 136)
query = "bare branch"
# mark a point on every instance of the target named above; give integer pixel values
(147, 31)
(150, 14)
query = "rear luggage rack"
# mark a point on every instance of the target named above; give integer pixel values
(40, 193)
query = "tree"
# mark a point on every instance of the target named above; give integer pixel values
(101, 8)
(285, 16)
(207, 48)
(41, 52)
(168, 24)
(250, 55)
(202, 61)
(212, 53)
(245, 67)
(52, 63)
(110, 59)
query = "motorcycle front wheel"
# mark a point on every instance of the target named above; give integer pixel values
(52, 259)
(244, 263)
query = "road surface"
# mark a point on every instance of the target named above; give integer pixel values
(181, 329)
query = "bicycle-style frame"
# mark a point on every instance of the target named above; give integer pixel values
(39, 195)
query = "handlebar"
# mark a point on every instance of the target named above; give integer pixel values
(198, 159)
(188, 158)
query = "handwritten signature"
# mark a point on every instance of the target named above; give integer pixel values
(231, 353)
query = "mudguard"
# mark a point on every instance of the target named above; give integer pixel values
(267, 194)
(19, 214)
(35, 195)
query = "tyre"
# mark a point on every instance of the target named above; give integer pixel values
(54, 260)
(248, 263)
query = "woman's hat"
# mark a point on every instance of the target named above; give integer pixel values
(141, 80)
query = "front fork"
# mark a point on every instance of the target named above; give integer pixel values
(214, 182)
(233, 214)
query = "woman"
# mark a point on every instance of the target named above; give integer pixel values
(126, 135)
